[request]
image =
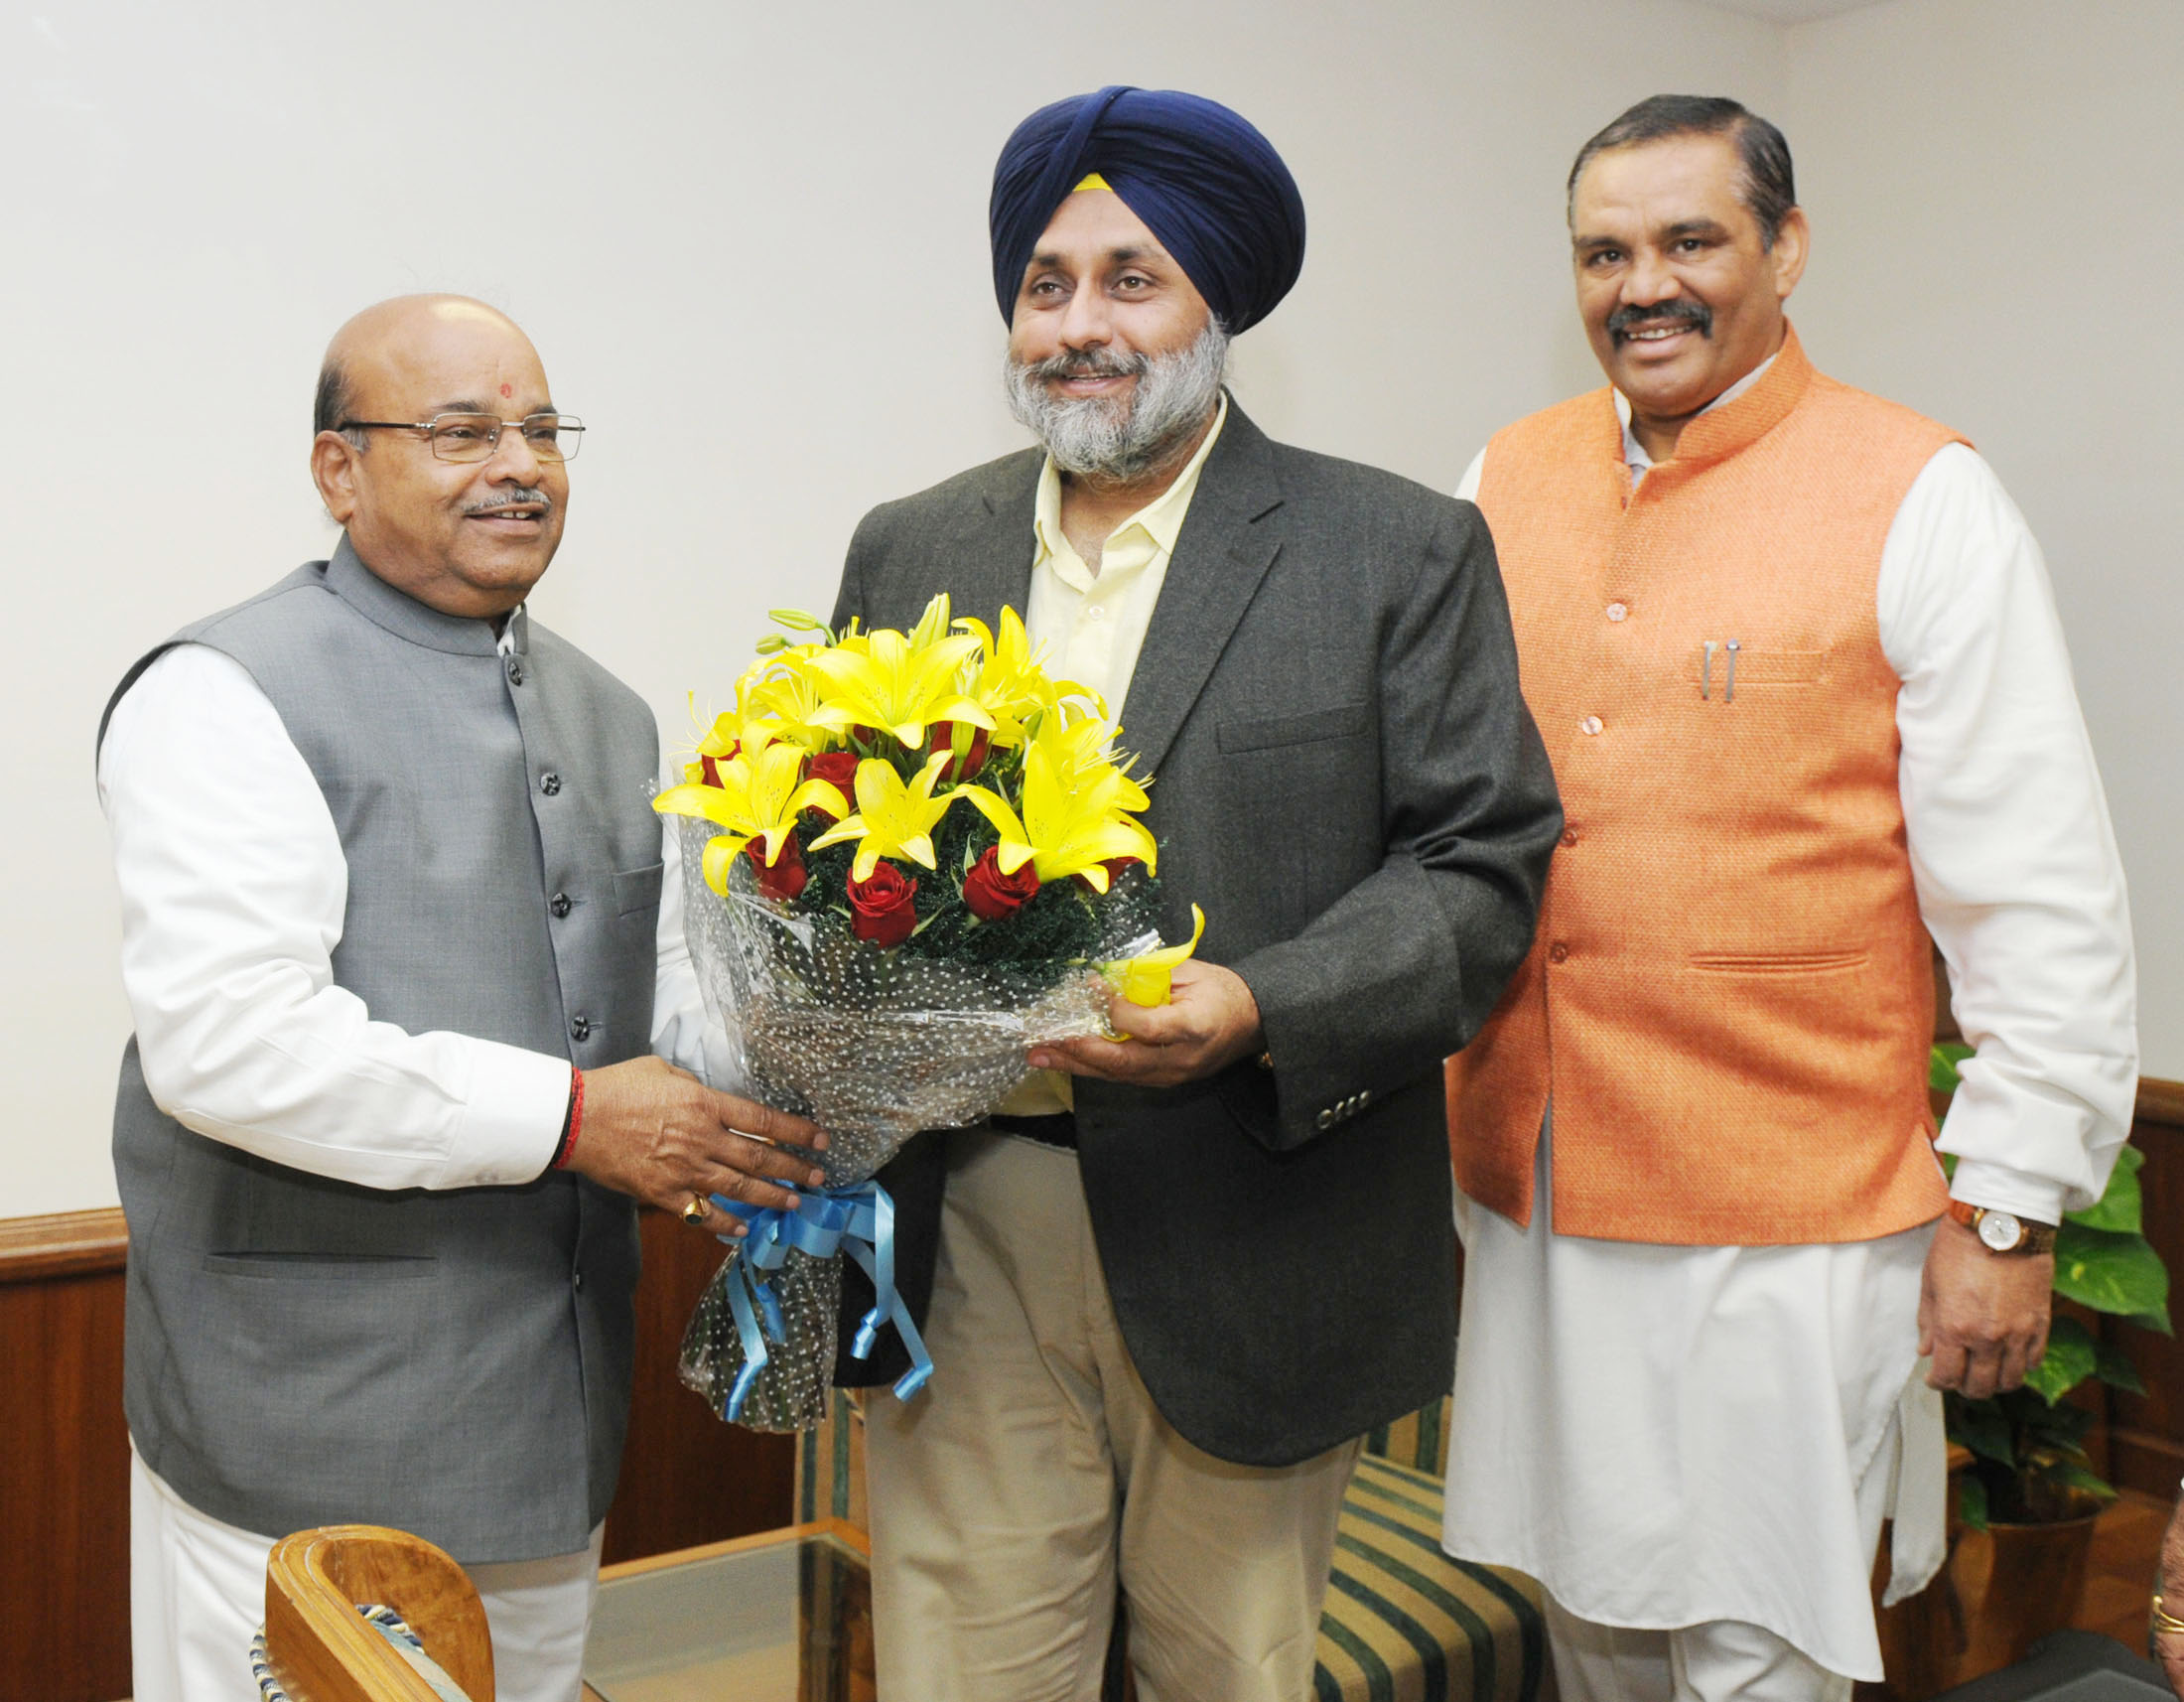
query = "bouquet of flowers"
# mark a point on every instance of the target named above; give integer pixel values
(922, 858)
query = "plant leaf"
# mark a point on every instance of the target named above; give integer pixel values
(2119, 1209)
(1941, 1066)
(2070, 1360)
(1972, 1502)
(2066, 1423)
(1981, 1426)
(2109, 1272)
(2073, 1474)
(2157, 1322)
(2113, 1367)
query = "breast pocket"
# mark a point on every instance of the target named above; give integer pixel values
(638, 890)
(1302, 793)
(1720, 668)
(1312, 726)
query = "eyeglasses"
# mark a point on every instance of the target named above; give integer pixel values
(474, 437)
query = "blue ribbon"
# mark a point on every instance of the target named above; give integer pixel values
(826, 1223)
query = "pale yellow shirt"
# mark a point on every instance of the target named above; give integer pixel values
(1093, 625)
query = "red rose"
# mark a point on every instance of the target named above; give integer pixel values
(941, 737)
(839, 770)
(992, 894)
(785, 876)
(712, 765)
(881, 910)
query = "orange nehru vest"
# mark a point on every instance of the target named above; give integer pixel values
(1730, 995)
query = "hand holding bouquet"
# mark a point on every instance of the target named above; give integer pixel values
(921, 854)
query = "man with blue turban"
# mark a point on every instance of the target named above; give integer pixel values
(1171, 1286)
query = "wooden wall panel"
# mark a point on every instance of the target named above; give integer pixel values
(63, 1462)
(2146, 1432)
(687, 1478)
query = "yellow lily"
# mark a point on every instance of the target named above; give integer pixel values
(720, 740)
(894, 818)
(1149, 979)
(732, 730)
(759, 797)
(932, 626)
(1079, 749)
(892, 684)
(1009, 678)
(783, 700)
(1071, 825)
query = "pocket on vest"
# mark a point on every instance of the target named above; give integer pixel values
(637, 889)
(1756, 665)
(306, 1268)
(1777, 962)
(277, 1215)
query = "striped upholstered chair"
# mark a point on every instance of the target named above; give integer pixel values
(1402, 1621)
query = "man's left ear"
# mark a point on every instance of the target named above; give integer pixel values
(1793, 241)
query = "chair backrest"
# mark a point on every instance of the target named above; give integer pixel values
(318, 1646)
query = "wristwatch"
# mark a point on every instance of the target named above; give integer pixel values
(2004, 1231)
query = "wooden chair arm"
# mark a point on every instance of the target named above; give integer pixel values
(320, 1649)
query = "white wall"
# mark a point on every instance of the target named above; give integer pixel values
(1992, 189)
(750, 242)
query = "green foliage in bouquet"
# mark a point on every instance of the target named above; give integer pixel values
(1062, 922)
(2029, 1463)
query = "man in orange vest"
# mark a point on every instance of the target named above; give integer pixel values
(1798, 665)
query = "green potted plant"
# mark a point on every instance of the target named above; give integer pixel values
(2031, 1482)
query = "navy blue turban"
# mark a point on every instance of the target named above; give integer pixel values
(1206, 183)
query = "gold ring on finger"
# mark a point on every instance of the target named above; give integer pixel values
(694, 1213)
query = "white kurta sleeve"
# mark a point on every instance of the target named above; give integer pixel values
(234, 887)
(2016, 867)
(1468, 489)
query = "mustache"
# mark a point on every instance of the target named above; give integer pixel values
(523, 495)
(1088, 364)
(1697, 315)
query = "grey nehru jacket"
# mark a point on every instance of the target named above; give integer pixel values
(302, 1350)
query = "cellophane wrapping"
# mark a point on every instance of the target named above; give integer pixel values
(872, 1045)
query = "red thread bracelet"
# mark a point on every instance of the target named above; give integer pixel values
(576, 1119)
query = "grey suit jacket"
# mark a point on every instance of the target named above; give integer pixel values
(1350, 785)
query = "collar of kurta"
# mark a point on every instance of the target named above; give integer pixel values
(1721, 429)
(402, 615)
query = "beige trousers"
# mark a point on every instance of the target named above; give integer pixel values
(1034, 1474)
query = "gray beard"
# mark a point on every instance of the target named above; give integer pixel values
(1117, 440)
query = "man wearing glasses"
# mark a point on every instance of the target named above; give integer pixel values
(397, 947)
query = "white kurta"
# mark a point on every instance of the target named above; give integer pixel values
(1665, 1436)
